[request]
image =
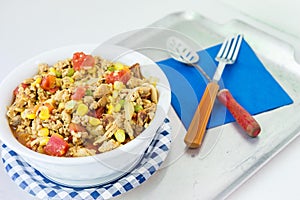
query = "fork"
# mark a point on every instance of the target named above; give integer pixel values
(226, 55)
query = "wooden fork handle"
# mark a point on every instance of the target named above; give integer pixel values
(197, 128)
(242, 117)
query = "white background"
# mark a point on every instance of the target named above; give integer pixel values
(31, 27)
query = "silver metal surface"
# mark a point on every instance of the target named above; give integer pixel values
(227, 54)
(234, 157)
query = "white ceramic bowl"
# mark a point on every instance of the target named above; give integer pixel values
(91, 170)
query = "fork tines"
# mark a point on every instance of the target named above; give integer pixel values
(230, 48)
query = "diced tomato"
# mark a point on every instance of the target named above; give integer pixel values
(56, 146)
(16, 90)
(48, 82)
(76, 128)
(123, 76)
(81, 60)
(53, 90)
(24, 85)
(79, 93)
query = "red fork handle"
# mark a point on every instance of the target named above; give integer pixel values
(242, 117)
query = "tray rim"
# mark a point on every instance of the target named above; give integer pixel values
(290, 58)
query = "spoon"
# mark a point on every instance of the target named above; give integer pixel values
(184, 54)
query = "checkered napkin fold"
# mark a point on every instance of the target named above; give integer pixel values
(33, 182)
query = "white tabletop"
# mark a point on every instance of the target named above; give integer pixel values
(31, 27)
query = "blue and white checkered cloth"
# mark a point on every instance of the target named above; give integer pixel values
(37, 185)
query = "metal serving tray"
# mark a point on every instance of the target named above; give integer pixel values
(228, 157)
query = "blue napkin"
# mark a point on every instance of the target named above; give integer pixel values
(248, 80)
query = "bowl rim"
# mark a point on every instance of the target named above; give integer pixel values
(160, 114)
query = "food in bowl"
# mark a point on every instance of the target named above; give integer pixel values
(82, 106)
(101, 168)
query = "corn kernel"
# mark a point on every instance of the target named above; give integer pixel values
(44, 141)
(118, 66)
(31, 116)
(71, 79)
(120, 135)
(38, 80)
(110, 109)
(58, 82)
(44, 113)
(94, 121)
(43, 132)
(118, 107)
(110, 98)
(52, 70)
(82, 109)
